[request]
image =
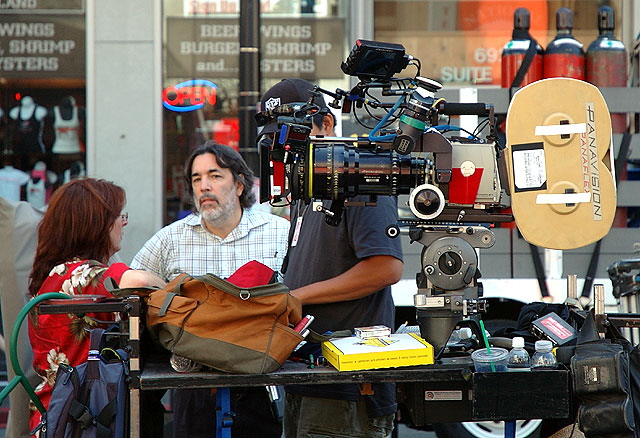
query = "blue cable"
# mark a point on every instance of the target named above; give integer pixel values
(455, 128)
(388, 137)
(447, 128)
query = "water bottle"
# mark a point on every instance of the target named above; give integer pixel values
(543, 358)
(518, 359)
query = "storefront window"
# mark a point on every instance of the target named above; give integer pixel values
(460, 42)
(305, 39)
(42, 97)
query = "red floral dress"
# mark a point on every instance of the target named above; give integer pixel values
(64, 338)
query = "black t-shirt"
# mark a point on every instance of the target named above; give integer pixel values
(323, 251)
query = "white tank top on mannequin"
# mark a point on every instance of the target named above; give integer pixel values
(67, 133)
(37, 193)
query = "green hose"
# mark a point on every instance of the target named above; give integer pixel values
(13, 353)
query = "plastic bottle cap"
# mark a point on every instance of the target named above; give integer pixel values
(517, 342)
(543, 345)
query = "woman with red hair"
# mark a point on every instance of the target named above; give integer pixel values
(79, 233)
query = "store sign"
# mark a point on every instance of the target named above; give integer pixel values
(189, 95)
(307, 48)
(8, 6)
(42, 46)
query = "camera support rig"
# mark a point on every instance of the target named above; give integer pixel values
(449, 293)
(455, 183)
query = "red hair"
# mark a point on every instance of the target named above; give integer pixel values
(77, 224)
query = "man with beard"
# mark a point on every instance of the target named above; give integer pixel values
(223, 234)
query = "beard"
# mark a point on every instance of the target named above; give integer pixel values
(215, 214)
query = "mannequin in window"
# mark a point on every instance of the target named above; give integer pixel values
(67, 122)
(76, 170)
(11, 181)
(40, 185)
(28, 117)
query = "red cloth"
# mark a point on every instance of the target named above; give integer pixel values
(64, 338)
(251, 274)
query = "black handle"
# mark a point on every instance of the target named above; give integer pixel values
(460, 109)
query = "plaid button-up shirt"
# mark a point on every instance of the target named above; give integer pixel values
(186, 246)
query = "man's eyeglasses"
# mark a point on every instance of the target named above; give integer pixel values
(125, 217)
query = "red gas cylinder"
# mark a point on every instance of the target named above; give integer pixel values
(606, 66)
(515, 50)
(606, 62)
(564, 56)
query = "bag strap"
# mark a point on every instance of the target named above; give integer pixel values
(177, 289)
(112, 286)
(105, 418)
(317, 338)
(81, 414)
(526, 61)
(78, 412)
(79, 406)
(243, 293)
(79, 409)
(166, 303)
(93, 359)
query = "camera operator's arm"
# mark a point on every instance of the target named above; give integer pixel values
(367, 276)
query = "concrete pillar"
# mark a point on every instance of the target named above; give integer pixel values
(124, 109)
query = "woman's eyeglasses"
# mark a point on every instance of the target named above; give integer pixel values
(125, 217)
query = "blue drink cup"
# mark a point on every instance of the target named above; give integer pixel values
(488, 361)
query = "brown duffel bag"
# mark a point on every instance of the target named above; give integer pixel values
(226, 327)
(223, 326)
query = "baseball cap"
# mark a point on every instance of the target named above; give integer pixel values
(288, 91)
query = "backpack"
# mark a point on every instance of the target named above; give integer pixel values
(90, 400)
(532, 311)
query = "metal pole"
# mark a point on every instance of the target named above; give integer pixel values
(249, 75)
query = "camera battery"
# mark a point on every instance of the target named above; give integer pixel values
(553, 328)
(373, 331)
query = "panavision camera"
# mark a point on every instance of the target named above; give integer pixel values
(556, 167)
(453, 182)
(453, 179)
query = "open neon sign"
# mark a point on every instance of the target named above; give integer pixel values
(189, 95)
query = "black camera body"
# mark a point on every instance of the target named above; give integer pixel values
(454, 182)
(414, 159)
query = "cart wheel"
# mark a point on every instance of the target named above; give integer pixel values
(487, 429)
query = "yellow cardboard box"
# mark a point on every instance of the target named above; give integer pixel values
(398, 350)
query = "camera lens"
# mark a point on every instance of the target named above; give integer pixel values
(338, 171)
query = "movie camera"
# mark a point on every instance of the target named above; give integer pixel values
(454, 184)
(453, 179)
